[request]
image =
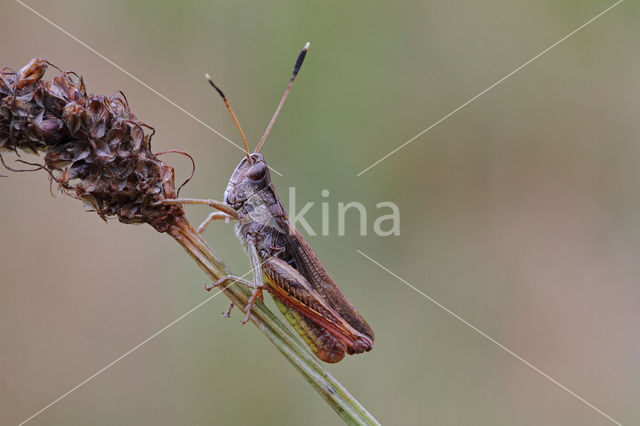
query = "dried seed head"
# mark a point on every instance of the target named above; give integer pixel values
(93, 145)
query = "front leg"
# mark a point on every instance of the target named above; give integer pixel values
(213, 216)
(218, 205)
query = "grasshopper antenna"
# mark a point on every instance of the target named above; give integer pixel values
(235, 120)
(296, 68)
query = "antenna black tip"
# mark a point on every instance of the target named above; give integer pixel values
(208, 77)
(300, 59)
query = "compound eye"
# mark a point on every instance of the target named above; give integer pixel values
(257, 171)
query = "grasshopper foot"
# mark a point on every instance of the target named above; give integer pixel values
(227, 313)
(256, 294)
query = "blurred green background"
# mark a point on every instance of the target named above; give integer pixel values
(520, 213)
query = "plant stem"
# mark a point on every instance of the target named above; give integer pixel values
(332, 391)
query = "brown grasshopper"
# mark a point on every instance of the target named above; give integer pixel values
(283, 261)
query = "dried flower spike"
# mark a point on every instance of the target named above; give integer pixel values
(94, 147)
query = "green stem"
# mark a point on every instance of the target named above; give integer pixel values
(332, 391)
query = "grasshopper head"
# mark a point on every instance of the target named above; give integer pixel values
(247, 179)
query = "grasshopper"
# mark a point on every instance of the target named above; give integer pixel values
(283, 262)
